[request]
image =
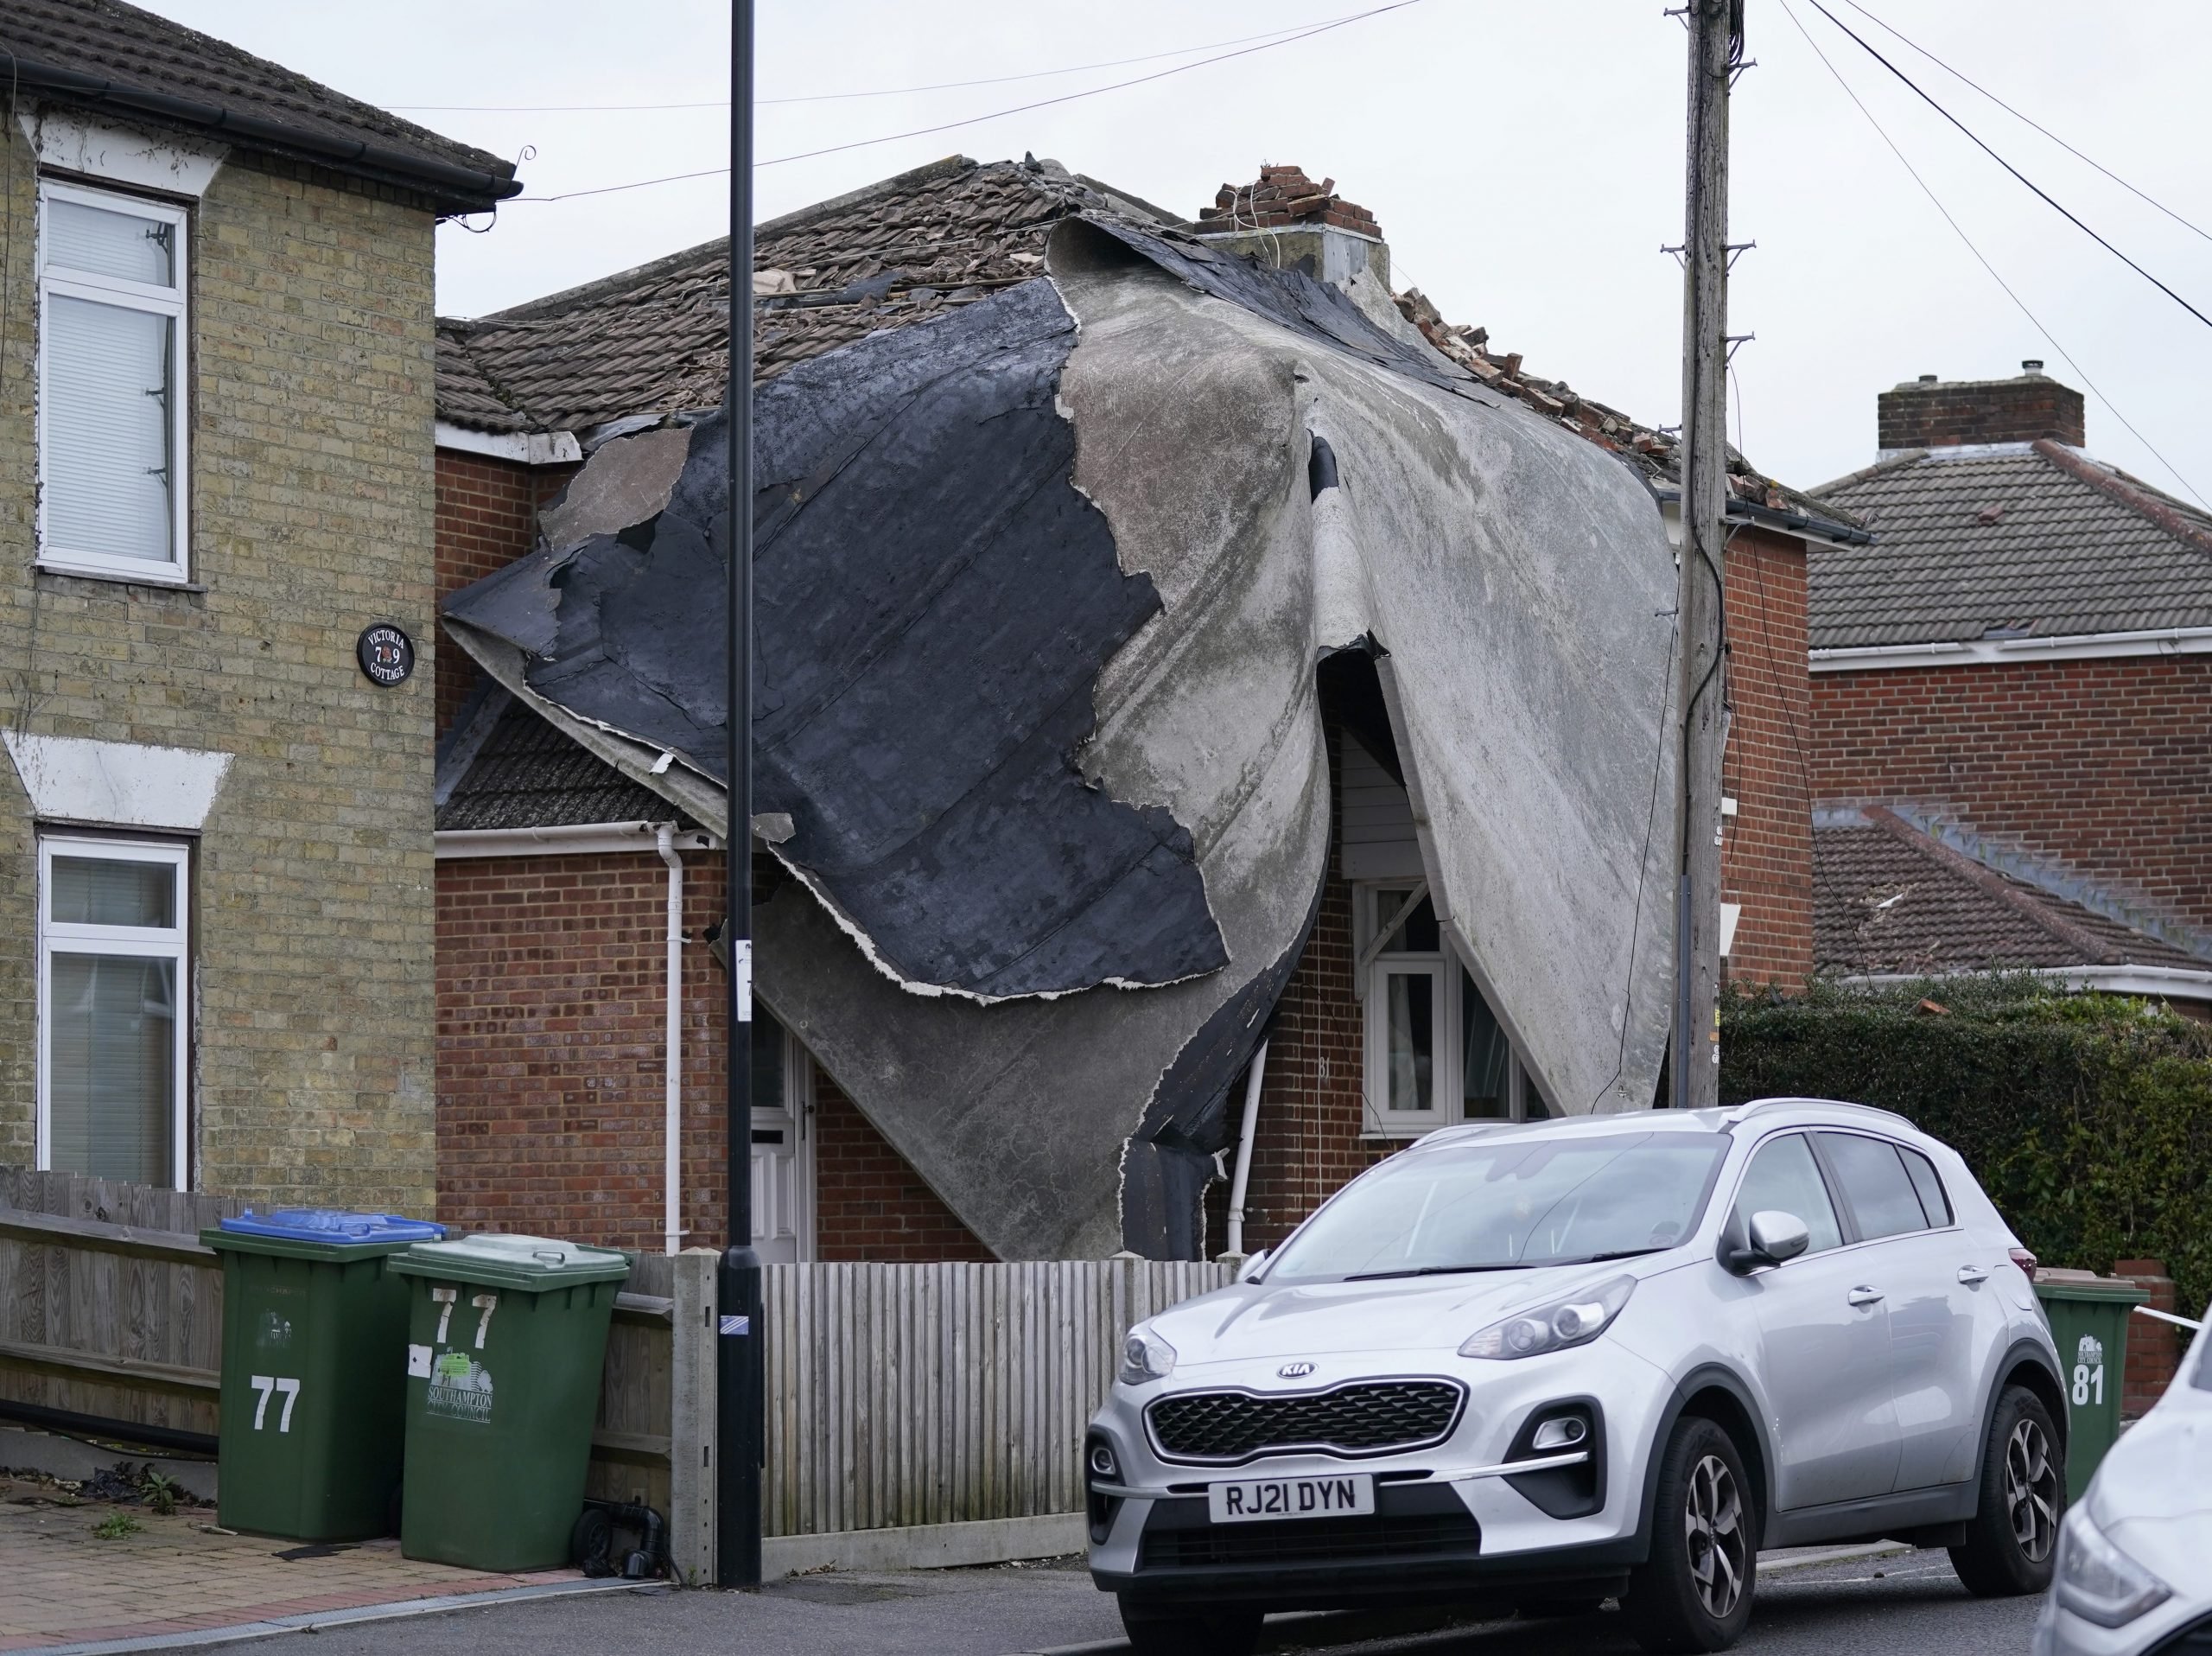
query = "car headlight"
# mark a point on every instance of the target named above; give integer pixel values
(1575, 1320)
(1146, 1356)
(2097, 1581)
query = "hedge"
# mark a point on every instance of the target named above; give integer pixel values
(2087, 1117)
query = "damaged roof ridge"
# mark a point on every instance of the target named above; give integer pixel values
(2021, 899)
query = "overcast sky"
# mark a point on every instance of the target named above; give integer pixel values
(1525, 161)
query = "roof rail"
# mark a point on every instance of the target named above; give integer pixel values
(1742, 1111)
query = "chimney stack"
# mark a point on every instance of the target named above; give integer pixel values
(1944, 414)
(1286, 218)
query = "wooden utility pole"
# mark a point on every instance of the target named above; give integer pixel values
(1716, 42)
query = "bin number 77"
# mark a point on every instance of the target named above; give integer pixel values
(281, 1385)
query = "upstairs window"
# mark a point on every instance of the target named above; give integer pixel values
(113, 975)
(111, 377)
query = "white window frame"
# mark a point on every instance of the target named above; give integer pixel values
(172, 942)
(170, 301)
(1371, 984)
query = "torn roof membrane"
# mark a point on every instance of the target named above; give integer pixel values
(1038, 690)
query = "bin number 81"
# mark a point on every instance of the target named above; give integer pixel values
(2088, 1380)
(281, 1385)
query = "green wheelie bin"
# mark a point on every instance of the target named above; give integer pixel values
(506, 1336)
(2088, 1322)
(312, 1400)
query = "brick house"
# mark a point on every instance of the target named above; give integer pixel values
(556, 899)
(215, 400)
(2010, 686)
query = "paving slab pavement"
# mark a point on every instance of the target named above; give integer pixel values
(75, 1571)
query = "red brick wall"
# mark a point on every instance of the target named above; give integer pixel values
(870, 1203)
(1766, 853)
(1979, 411)
(551, 998)
(487, 518)
(2102, 767)
(2154, 1348)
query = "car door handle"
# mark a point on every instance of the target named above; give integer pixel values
(1973, 1276)
(1864, 1295)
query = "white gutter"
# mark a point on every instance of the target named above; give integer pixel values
(2155, 983)
(523, 447)
(2003, 651)
(576, 839)
(672, 1057)
(1254, 1076)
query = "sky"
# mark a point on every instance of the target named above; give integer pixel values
(1525, 160)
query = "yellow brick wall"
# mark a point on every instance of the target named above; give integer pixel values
(311, 516)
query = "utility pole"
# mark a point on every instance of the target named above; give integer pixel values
(1716, 43)
(739, 1406)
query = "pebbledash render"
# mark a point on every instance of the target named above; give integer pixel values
(216, 376)
(553, 913)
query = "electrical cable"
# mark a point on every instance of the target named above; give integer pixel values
(1937, 201)
(2050, 199)
(2030, 120)
(976, 120)
(837, 96)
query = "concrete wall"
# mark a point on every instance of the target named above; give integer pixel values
(311, 348)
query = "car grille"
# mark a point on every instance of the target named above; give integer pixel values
(1363, 1418)
(1312, 1540)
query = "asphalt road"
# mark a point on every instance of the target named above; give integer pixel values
(1884, 1607)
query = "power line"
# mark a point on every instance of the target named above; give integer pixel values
(976, 120)
(2051, 199)
(2034, 320)
(2030, 121)
(837, 96)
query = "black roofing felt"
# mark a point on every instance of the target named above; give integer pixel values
(939, 808)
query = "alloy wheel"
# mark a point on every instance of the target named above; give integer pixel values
(1713, 1521)
(2031, 1491)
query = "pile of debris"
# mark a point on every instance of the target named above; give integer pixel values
(1285, 196)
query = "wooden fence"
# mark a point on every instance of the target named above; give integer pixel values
(899, 1396)
(910, 1395)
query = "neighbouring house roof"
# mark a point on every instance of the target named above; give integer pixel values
(655, 339)
(1890, 899)
(117, 60)
(528, 774)
(2015, 539)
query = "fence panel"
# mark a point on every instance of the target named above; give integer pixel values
(904, 1395)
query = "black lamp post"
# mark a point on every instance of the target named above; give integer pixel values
(738, 1404)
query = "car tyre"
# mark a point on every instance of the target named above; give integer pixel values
(1694, 1592)
(1216, 1632)
(2012, 1540)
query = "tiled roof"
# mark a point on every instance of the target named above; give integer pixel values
(2007, 540)
(528, 774)
(653, 339)
(1889, 899)
(119, 50)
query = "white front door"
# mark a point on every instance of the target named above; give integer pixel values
(783, 1159)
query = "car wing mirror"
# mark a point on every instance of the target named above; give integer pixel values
(1775, 1236)
(1251, 1266)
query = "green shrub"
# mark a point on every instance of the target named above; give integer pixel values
(2087, 1117)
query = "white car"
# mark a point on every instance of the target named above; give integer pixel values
(2135, 1556)
(1566, 1360)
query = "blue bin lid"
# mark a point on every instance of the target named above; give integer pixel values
(333, 1226)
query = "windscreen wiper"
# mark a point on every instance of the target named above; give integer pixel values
(1616, 1253)
(1431, 1271)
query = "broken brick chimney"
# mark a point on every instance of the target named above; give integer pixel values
(1933, 413)
(1286, 218)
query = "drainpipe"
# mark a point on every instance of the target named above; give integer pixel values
(672, 1060)
(1253, 1076)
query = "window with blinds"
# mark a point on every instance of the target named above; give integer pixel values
(114, 975)
(111, 376)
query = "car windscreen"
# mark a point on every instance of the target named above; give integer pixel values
(1485, 1204)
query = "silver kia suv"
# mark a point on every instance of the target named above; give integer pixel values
(1569, 1361)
